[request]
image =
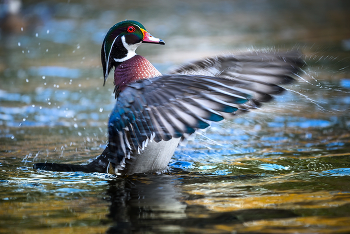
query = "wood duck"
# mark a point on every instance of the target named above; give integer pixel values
(154, 112)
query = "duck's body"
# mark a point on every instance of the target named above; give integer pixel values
(154, 112)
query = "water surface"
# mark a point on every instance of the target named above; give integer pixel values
(284, 168)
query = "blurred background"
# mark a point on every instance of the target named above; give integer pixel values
(50, 50)
(54, 108)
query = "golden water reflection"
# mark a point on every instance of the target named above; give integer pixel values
(284, 169)
(81, 215)
(291, 225)
(279, 200)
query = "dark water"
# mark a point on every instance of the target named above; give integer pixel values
(284, 168)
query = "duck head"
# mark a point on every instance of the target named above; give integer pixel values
(120, 43)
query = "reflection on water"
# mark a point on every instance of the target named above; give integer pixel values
(259, 173)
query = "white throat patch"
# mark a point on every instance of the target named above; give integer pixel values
(130, 48)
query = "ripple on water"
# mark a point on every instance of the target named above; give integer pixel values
(336, 172)
(345, 83)
(273, 167)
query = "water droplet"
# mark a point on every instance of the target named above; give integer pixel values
(58, 86)
(27, 80)
(12, 137)
(79, 85)
(22, 29)
(40, 107)
(43, 77)
(47, 50)
(101, 109)
(24, 119)
(36, 34)
(79, 133)
(76, 125)
(48, 31)
(73, 51)
(44, 83)
(78, 46)
(49, 103)
(19, 43)
(33, 105)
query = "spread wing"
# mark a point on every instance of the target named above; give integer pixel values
(172, 106)
(269, 67)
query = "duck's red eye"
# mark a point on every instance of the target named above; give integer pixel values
(131, 29)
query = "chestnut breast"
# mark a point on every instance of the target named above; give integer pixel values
(133, 69)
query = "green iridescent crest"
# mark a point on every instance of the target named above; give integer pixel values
(124, 28)
(120, 29)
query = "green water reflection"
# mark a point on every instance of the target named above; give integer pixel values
(284, 168)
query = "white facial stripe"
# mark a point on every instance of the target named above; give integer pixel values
(107, 64)
(130, 48)
(137, 26)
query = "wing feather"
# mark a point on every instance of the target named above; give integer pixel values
(176, 105)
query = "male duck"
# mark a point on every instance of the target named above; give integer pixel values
(154, 112)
